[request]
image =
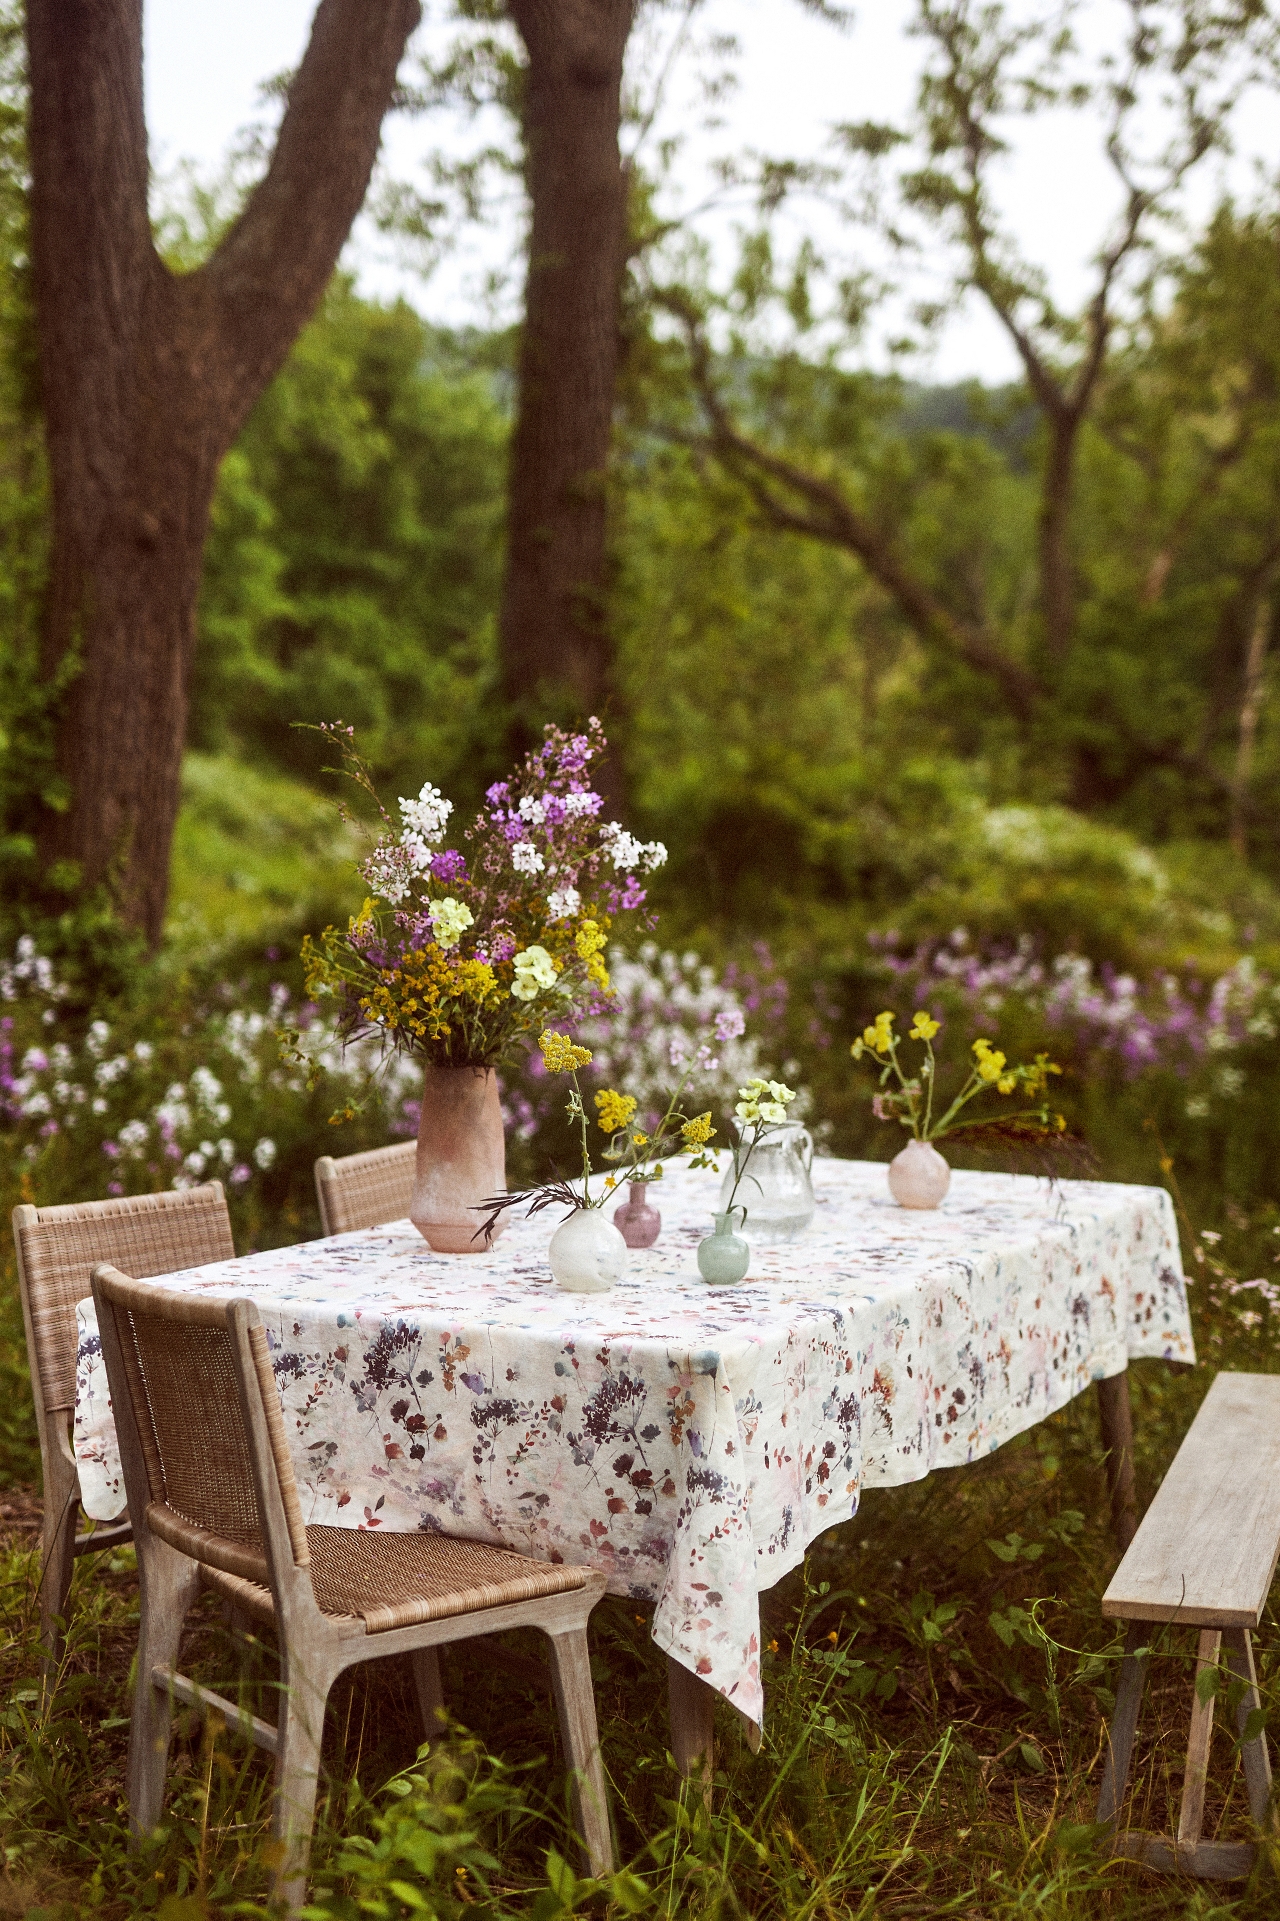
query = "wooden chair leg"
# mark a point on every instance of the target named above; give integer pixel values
(1253, 1754)
(1116, 1417)
(693, 1737)
(429, 1689)
(1191, 1813)
(299, 1732)
(1124, 1724)
(170, 1585)
(576, 1707)
(57, 1560)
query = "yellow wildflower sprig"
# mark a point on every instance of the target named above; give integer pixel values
(640, 1153)
(563, 1056)
(911, 1102)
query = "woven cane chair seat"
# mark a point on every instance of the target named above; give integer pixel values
(402, 1580)
(365, 1190)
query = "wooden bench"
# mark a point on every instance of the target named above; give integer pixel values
(1204, 1557)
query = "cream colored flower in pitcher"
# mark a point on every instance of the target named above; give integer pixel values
(535, 971)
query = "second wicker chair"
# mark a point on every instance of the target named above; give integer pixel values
(58, 1249)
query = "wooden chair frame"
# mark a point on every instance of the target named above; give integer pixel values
(158, 1233)
(365, 1190)
(314, 1647)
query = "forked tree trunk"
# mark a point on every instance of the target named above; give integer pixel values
(146, 378)
(555, 651)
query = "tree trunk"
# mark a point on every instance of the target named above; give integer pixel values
(146, 378)
(1250, 708)
(555, 654)
(1057, 589)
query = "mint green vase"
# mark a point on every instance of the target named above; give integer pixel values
(723, 1258)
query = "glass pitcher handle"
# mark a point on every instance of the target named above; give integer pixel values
(807, 1139)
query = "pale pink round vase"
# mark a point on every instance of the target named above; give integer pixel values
(462, 1159)
(918, 1176)
(637, 1222)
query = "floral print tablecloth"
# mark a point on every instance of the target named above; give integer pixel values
(689, 1442)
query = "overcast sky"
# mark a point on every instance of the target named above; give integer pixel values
(796, 76)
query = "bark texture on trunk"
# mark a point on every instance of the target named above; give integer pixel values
(146, 378)
(554, 643)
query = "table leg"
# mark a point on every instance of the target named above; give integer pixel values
(1117, 1439)
(693, 1740)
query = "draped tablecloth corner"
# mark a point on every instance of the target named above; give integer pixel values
(691, 1443)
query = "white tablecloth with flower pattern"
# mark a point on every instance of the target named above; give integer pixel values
(689, 1442)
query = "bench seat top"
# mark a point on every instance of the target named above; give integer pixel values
(1207, 1548)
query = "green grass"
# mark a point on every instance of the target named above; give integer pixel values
(254, 849)
(936, 1709)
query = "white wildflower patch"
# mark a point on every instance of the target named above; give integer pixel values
(525, 858)
(563, 902)
(425, 818)
(535, 972)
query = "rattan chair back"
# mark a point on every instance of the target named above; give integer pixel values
(59, 1247)
(201, 1392)
(365, 1190)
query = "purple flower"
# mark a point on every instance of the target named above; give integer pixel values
(729, 1024)
(449, 865)
(499, 793)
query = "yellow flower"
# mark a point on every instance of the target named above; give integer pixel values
(698, 1131)
(858, 1049)
(880, 1037)
(615, 1109)
(640, 1140)
(560, 1053)
(925, 1027)
(1006, 1084)
(991, 1064)
(363, 921)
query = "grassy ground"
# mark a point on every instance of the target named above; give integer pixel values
(937, 1679)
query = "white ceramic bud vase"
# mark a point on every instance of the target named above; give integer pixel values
(587, 1253)
(919, 1177)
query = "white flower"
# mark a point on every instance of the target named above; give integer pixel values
(533, 809)
(132, 1136)
(98, 1036)
(449, 919)
(586, 803)
(425, 817)
(535, 970)
(205, 1086)
(194, 1163)
(99, 1105)
(226, 1151)
(526, 859)
(563, 902)
(143, 1050)
(626, 852)
(264, 1154)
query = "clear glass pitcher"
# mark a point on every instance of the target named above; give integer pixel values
(775, 1188)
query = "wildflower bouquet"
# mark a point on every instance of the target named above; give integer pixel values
(912, 1101)
(459, 956)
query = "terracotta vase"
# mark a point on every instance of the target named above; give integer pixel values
(637, 1222)
(462, 1158)
(918, 1176)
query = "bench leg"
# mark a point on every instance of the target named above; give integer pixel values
(1116, 1417)
(1124, 1723)
(1191, 1814)
(693, 1740)
(1253, 1754)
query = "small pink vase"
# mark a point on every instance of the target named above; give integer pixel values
(462, 1158)
(919, 1177)
(637, 1222)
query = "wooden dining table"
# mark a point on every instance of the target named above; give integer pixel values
(692, 1442)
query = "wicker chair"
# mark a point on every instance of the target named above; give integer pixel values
(212, 1497)
(365, 1190)
(58, 1249)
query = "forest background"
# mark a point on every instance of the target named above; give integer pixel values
(951, 696)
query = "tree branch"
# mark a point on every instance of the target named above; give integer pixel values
(269, 272)
(828, 516)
